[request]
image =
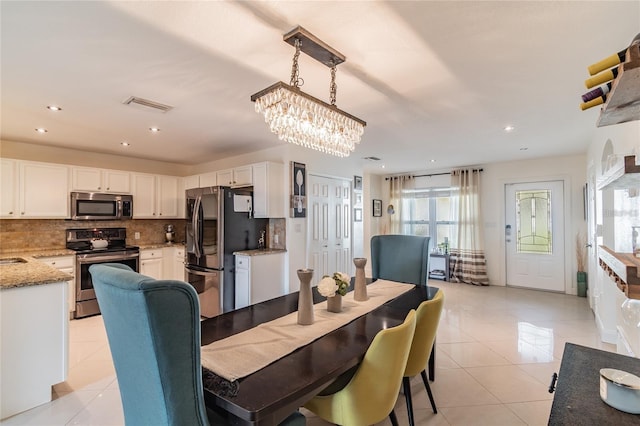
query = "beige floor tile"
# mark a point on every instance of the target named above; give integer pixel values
(510, 384)
(532, 413)
(472, 354)
(457, 388)
(104, 410)
(56, 413)
(520, 352)
(542, 372)
(494, 415)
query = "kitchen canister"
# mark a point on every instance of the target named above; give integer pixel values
(620, 390)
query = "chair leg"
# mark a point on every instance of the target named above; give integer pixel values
(426, 385)
(432, 362)
(406, 386)
(394, 419)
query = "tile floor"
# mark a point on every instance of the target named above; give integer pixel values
(497, 348)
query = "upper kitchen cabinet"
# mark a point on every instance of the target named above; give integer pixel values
(99, 180)
(208, 179)
(192, 181)
(268, 190)
(239, 176)
(43, 190)
(156, 197)
(9, 182)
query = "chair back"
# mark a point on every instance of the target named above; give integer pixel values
(402, 258)
(153, 327)
(427, 320)
(373, 390)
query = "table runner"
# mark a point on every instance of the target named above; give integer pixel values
(244, 353)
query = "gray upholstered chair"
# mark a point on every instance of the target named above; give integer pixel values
(153, 328)
(402, 258)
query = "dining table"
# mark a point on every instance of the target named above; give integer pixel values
(271, 394)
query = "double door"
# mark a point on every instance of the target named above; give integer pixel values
(329, 227)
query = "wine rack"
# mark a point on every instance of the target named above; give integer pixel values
(623, 101)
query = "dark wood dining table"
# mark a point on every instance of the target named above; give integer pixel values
(269, 395)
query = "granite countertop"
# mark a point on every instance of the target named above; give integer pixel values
(259, 252)
(62, 251)
(29, 273)
(160, 245)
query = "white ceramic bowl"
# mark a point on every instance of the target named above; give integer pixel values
(620, 390)
(98, 244)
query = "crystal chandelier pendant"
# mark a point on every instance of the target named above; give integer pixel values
(299, 118)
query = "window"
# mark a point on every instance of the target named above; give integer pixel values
(533, 222)
(428, 212)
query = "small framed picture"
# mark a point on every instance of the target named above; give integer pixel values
(357, 183)
(357, 200)
(298, 205)
(357, 215)
(377, 208)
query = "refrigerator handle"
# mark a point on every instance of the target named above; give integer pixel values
(195, 223)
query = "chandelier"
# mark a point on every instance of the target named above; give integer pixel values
(299, 118)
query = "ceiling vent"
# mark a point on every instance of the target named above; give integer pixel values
(135, 101)
(371, 158)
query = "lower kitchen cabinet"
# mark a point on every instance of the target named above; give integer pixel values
(259, 277)
(151, 263)
(173, 263)
(64, 264)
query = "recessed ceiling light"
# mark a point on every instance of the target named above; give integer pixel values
(54, 108)
(383, 166)
(125, 144)
(509, 128)
(41, 130)
(432, 161)
(154, 129)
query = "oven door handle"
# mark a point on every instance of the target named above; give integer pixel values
(102, 258)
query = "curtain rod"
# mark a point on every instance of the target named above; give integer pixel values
(433, 174)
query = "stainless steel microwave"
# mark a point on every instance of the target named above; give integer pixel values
(100, 206)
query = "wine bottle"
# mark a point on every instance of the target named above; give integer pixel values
(598, 91)
(613, 60)
(601, 78)
(597, 101)
(608, 62)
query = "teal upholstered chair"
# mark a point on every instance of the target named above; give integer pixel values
(153, 328)
(402, 258)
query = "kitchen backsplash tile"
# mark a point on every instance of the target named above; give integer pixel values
(41, 234)
(36, 234)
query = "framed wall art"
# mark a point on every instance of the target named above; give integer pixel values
(377, 208)
(357, 183)
(298, 205)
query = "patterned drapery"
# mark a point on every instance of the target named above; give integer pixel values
(400, 193)
(467, 260)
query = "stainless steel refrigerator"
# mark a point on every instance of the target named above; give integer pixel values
(219, 222)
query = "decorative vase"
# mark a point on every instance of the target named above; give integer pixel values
(581, 278)
(334, 303)
(305, 299)
(360, 286)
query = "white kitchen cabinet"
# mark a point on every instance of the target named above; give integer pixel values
(34, 325)
(208, 179)
(151, 263)
(100, 180)
(155, 197)
(259, 278)
(268, 190)
(64, 264)
(173, 263)
(239, 176)
(43, 190)
(191, 182)
(9, 186)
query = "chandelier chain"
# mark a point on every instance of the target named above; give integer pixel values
(295, 70)
(333, 88)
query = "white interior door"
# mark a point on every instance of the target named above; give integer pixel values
(329, 227)
(534, 235)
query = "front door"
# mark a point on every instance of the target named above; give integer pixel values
(534, 235)
(329, 227)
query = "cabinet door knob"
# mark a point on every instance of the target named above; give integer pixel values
(10, 212)
(21, 212)
(108, 188)
(99, 188)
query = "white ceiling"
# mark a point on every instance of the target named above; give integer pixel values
(434, 80)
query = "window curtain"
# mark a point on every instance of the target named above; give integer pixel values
(467, 261)
(400, 195)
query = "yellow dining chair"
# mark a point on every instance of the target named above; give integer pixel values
(373, 390)
(427, 319)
